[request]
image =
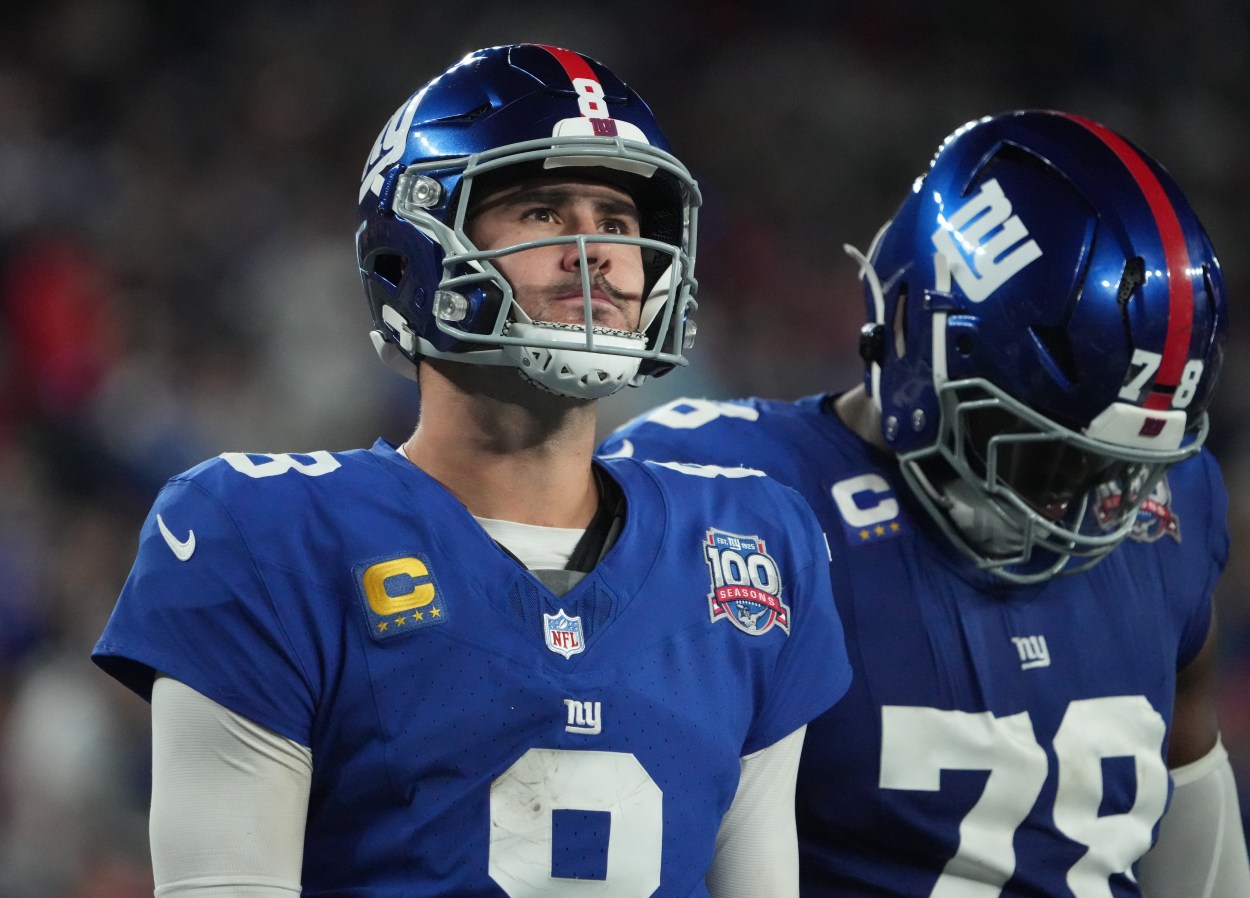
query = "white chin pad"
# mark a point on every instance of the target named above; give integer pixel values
(578, 373)
(987, 529)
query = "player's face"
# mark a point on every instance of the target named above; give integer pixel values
(547, 281)
(1049, 475)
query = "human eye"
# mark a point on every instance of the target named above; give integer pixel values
(543, 214)
(622, 226)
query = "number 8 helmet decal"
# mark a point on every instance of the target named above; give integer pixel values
(507, 113)
(1047, 317)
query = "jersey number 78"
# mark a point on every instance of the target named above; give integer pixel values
(918, 743)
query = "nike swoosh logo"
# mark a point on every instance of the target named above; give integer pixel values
(182, 549)
(626, 451)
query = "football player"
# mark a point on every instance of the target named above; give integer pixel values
(479, 663)
(1026, 534)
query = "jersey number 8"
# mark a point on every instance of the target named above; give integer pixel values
(523, 803)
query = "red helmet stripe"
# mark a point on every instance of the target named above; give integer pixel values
(1176, 254)
(574, 65)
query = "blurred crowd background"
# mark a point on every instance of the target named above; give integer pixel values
(177, 278)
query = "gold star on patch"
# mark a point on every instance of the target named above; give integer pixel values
(435, 612)
(880, 531)
(399, 621)
(382, 626)
(417, 615)
(863, 534)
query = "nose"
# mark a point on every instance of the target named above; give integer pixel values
(598, 255)
(597, 258)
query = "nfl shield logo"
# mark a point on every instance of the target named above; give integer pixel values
(564, 633)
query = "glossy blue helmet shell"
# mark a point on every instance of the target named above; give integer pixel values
(1073, 263)
(1047, 319)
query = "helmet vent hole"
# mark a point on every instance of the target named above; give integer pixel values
(463, 116)
(1134, 276)
(390, 267)
(1058, 345)
(963, 345)
(900, 323)
(1208, 291)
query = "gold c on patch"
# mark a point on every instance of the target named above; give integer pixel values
(399, 595)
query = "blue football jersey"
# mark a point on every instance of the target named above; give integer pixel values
(997, 739)
(473, 734)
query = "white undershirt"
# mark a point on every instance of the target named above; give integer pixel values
(1201, 849)
(538, 548)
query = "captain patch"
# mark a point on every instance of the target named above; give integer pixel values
(399, 595)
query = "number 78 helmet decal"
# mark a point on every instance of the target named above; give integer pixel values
(1047, 318)
(503, 114)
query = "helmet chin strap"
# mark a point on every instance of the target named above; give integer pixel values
(576, 372)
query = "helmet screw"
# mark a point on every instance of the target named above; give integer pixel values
(918, 420)
(891, 427)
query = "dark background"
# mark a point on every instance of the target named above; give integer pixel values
(177, 189)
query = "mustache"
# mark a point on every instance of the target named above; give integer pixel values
(598, 284)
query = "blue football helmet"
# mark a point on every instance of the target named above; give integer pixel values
(1046, 323)
(497, 116)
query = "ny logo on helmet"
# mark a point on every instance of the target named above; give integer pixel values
(979, 265)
